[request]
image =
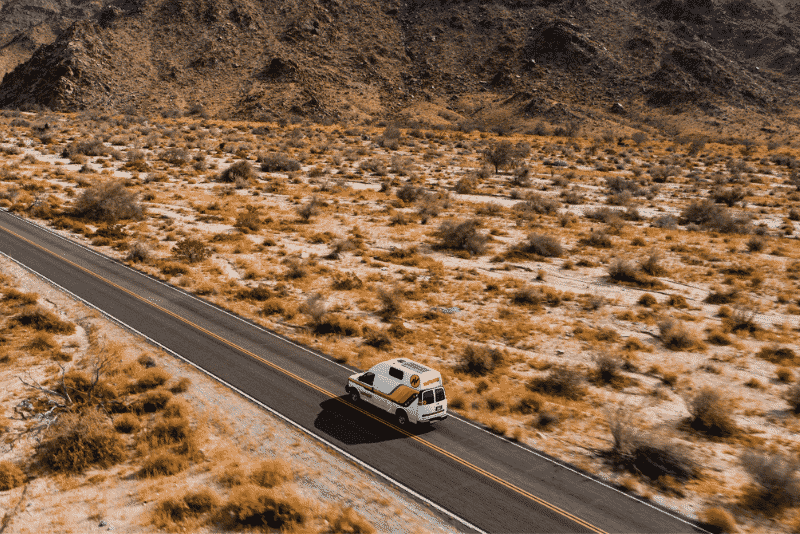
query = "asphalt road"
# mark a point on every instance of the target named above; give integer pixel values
(495, 485)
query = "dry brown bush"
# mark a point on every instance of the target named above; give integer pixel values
(792, 396)
(647, 300)
(278, 163)
(776, 485)
(241, 171)
(270, 473)
(777, 354)
(348, 521)
(14, 296)
(544, 245)
(710, 413)
(479, 360)
(149, 379)
(717, 520)
(391, 303)
(127, 424)
(627, 273)
(41, 319)
(107, 201)
(11, 476)
(151, 401)
(167, 431)
(250, 505)
(191, 250)
(559, 382)
(77, 441)
(677, 336)
(462, 236)
(163, 463)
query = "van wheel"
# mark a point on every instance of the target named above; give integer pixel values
(354, 396)
(402, 418)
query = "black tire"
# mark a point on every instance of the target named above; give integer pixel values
(354, 396)
(402, 418)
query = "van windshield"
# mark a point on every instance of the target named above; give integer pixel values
(427, 396)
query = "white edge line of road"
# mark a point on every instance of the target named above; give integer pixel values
(273, 334)
(256, 401)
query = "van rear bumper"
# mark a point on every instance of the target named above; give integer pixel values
(424, 419)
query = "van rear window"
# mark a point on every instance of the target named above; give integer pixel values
(439, 394)
(395, 372)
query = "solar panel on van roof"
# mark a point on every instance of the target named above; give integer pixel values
(414, 366)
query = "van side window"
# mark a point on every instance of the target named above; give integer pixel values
(427, 396)
(395, 372)
(439, 394)
(367, 378)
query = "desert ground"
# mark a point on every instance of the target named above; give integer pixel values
(622, 299)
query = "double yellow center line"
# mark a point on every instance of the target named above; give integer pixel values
(302, 380)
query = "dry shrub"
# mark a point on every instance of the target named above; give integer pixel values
(775, 482)
(149, 379)
(259, 293)
(598, 239)
(784, 375)
(559, 382)
(528, 404)
(138, 252)
(647, 300)
(41, 319)
(107, 201)
(462, 236)
(163, 463)
(792, 396)
(11, 476)
(127, 424)
(251, 505)
(241, 171)
(740, 320)
(479, 360)
(676, 336)
(717, 520)
(181, 386)
(277, 163)
(174, 269)
(391, 303)
(718, 337)
(17, 297)
(594, 335)
(248, 220)
(377, 338)
(346, 282)
(270, 473)
(151, 401)
(718, 296)
(544, 245)
(709, 411)
(627, 273)
(348, 521)
(231, 474)
(170, 512)
(167, 431)
(273, 306)
(41, 341)
(536, 296)
(608, 371)
(777, 355)
(677, 301)
(191, 250)
(77, 441)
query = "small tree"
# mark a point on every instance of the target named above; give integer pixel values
(505, 154)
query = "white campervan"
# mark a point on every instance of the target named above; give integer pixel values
(403, 387)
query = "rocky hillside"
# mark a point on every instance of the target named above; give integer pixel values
(446, 60)
(27, 24)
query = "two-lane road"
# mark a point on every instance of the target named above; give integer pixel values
(491, 483)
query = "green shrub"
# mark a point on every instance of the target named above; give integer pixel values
(559, 382)
(11, 476)
(77, 441)
(271, 473)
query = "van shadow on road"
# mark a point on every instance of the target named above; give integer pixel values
(351, 427)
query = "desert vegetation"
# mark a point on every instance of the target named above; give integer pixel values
(548, 276)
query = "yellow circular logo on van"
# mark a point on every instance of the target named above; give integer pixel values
(414, 381)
